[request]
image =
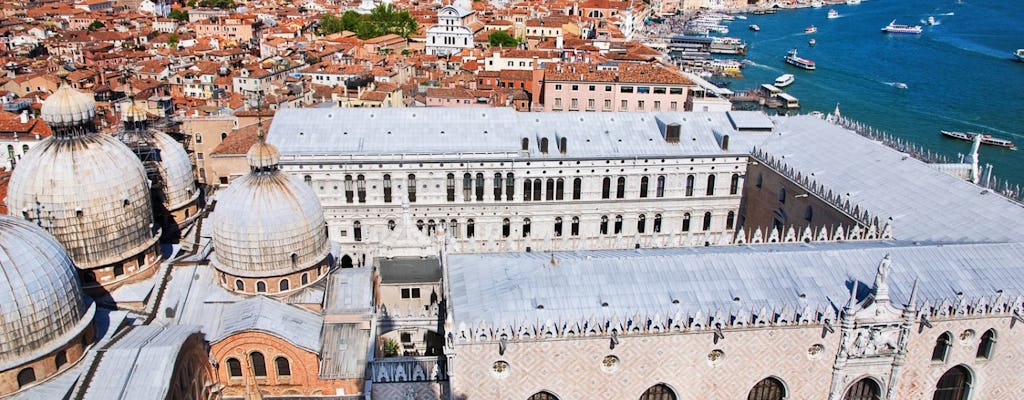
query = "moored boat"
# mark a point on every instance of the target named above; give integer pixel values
(985, 139)
(1019, 54)
(792, 59)
(833, 14)
(931, 21)
(893, 27)
(784, 80)
(811, 29)
(755, 28)
(852, 2)
(812, 42)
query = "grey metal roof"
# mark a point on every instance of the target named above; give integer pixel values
(344, 133)
(503, 288)
(349, 291)
(750, 120)
(410, 270)
(925, 203)
(296, 325)
(345, 351)
(140, 365)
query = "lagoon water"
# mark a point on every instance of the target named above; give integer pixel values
(959, 74)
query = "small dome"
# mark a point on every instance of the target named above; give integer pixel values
(268, 224)
(262, 155)
(90, 192)
(41, 302)
(68, 107)
(134, 113)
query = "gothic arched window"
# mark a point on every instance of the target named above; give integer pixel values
(734, 184)
(988, 342)
(689, 185)
(658, 392)
(955, 384)
(768, 389)
(864, 389)
(543, 396)
(942, 345)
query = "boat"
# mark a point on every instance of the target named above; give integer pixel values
(852, 2)
(811, 29)
(985, 139)
(740, 16)
(931, 21)
(755, 28)
(1019, 54)
(893, 27)
(833, 14)
(784, 80)
(812, 42)
(817, 4)
(792, 59)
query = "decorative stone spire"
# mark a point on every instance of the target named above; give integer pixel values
(852, 302)
(881, 288)
(262, 156)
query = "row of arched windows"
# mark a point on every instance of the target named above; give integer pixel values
(259, 366)
(944, 343)
(28, 375)
(282, 285)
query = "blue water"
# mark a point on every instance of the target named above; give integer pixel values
(960, 74)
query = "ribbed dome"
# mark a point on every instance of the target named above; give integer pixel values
(134, 113)
(90, 192)
(262, 155)
(41, 302)
(176, 169)
(68, 107)
(264, 218)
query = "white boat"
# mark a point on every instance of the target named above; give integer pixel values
(740, 16)
(811, 29)
(893, 27)
(784, 80)
(755, 28)
(792, 59)
(833, 14)
(1019, 54)
(852, 2)
(985, 139)
(812, 42)
(817, 4)
(931, 21)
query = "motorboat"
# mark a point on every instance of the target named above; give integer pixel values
(1019, 54)
(893, 27)
(812, 42)
(784, 80)
(985, 139)
(792, 59)
(811, 29)
(931, 21)
(833, 14)
(852, 2)
(817, 4)
(755, 28)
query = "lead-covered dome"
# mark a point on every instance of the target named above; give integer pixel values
(41, 302)
(268, 223)
(176, 170)
(67, 107)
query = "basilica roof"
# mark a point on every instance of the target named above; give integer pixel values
(41, 303)
(67, 107)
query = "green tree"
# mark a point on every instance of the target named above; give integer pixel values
(329, 23)
(502, 38)
(172, 41)
(96, 24)
(350, 21)
(217, 3)
(384, 19)
(178, 15)
(191, 3)
(389, 348)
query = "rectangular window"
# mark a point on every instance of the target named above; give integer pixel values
(657, 105)
(415, 293)
(624, 106)
(405, 293)
(640, 105)
(675, 90)
(591, 103)
(626, 89)
(643, 89)
(607, 105)
(575, 87)
(592, 87)
(659, 90)
(575, 104)
(672, 106)
(608, 88)
(558, 87)
(558, 102)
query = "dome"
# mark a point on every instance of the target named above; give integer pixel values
(134, 113)
(90, 192)
(68, 107)
(176, 169)
(268, 224)
(41, 302)
(262, 155)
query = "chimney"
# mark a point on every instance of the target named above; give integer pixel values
(672, 133)
(24, 116)
(558, 42)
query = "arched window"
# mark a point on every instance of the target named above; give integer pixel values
(707, 221)
(453, 228)
(412, 188)
(558, 226)
(768, 389)
(641, 223)
(660, 190)
(643, 187)
(308, 179)
(239, 285)
(283, 285)
(470, 228)
(419, 225)
(526, 144)
(537, 187)
(560, 189)
(283, 368)
(261, 287)
(26, 376)
(61, 358)
(467, 187)
(527, 189)
(604, 225)
(550, 195)
(349, 189)
(544, 145)
(259, 366)
(575, 230)
(864, 389)
(782, 195)
(577, 188)
(497, 186)
(689, 185)
(223, 135)
(563, 143)
(431, 227)
(510, 186)
(686, 222)
(734, 184)
(357, 231)
(526, 227)
(942, 345)
(618, 224)
(387, 188)
(606, 188)
(304, 279)
(234, 368)
(730, 219)
(760, 180)
(24, 148)
(620, 188)
(479, 187)
(392, 224)
(988, 342)
(955, 384)
(711, 186)
(657, 223)
(542, 396)
(506, 228)
(658, 392)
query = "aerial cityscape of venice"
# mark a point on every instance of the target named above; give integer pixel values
(511, 199)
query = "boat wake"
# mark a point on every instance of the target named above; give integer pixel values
(898, 85)
(935, 23)
(949, 14)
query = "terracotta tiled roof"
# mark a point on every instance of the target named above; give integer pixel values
(626, 73)
(238, 141)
